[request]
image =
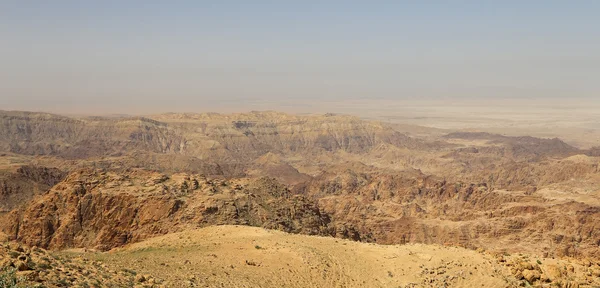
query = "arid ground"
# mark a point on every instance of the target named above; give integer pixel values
(416, 195)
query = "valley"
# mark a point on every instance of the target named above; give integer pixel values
(113, 185)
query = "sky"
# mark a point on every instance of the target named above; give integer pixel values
(196, 56)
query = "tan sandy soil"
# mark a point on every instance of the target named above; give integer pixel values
(239, 256)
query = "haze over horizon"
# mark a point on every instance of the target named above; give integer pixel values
(194, 56)
(300, 144)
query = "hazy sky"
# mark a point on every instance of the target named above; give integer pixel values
(151, 56)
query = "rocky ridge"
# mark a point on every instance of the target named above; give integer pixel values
(123, 180)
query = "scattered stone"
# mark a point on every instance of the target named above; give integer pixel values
(553, 272)
(531, 275)
(22, 266)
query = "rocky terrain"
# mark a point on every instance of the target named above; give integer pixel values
(106, 210)
(104, 183)
(21, 184)
(22, 266)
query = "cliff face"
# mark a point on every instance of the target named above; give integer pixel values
(230, 145)
(250, 134)
(211, 144)
(46, 134)
(19, 185)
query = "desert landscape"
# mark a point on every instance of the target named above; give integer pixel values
(301, 144)
(271, 199)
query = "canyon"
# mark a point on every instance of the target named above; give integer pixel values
(108, 183)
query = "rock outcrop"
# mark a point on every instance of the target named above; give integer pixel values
(19, 185)
(104, 210)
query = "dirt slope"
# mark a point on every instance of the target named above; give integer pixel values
(238, 256)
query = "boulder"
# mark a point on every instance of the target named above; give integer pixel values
(553, 272)
(531, 275)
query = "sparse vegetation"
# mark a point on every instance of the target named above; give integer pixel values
(132, 272)
(328, 176)
(44, 266)
(8, 278)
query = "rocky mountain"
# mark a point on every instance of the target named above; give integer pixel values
(523, 147)
(46, 134)
(102, 183)
(396, 207)
(19, 185)
(104, 210)
(239, 135)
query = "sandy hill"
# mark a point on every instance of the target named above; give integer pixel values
(240, 256)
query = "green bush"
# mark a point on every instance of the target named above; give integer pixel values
(8, 278)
